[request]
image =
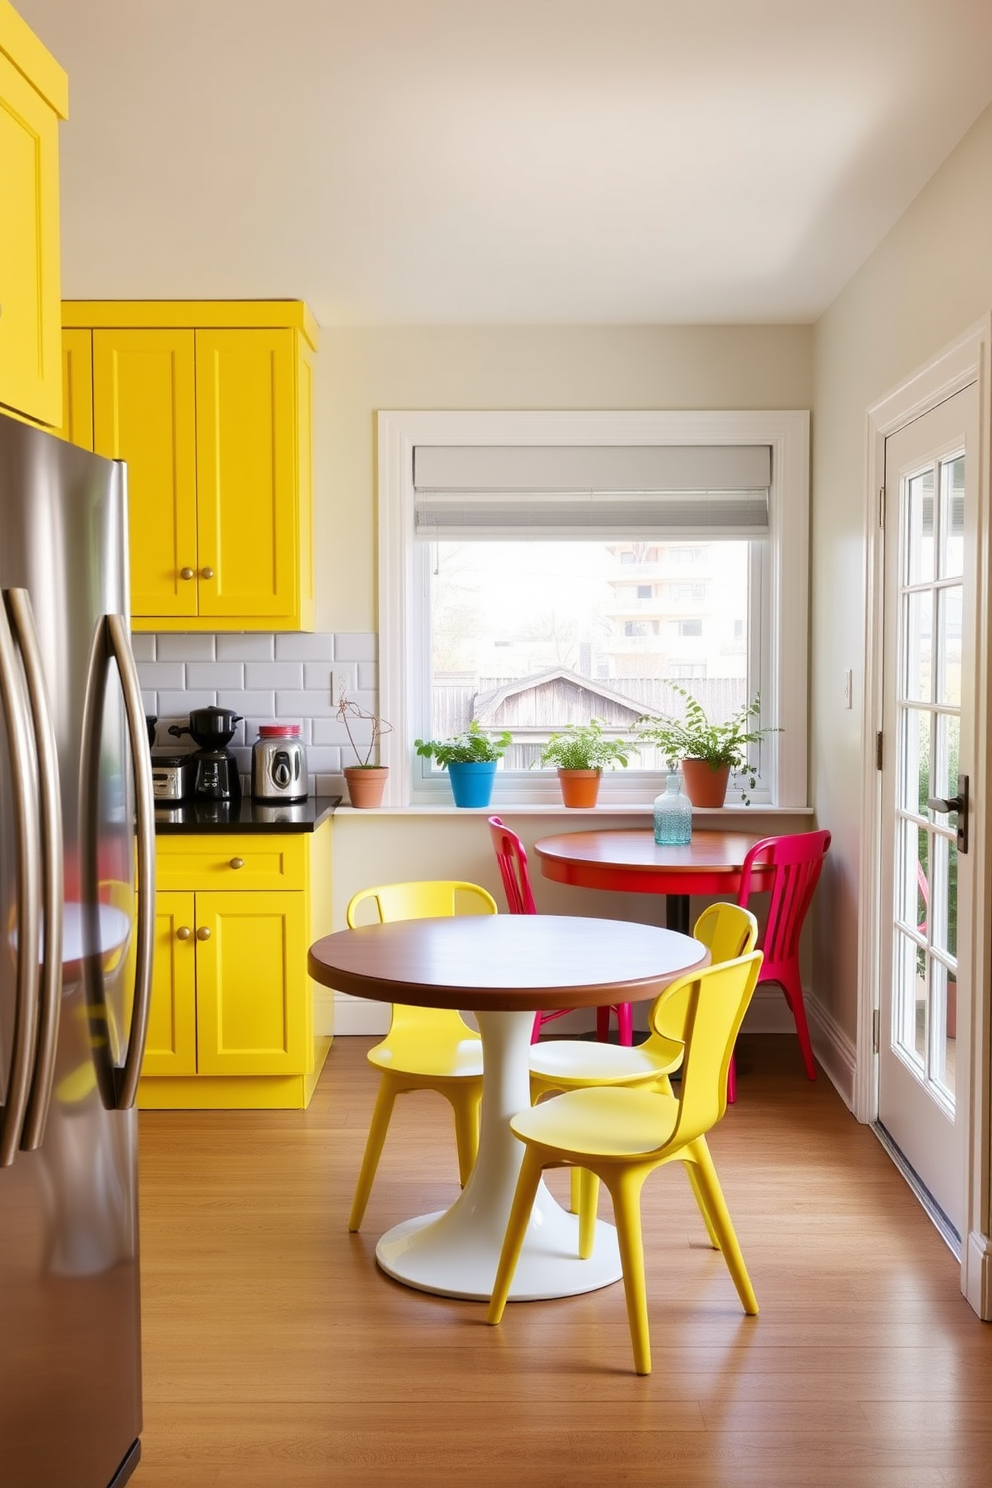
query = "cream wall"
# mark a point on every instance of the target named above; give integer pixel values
(489, 367)
(928, 281)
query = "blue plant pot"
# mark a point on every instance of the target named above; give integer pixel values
(472, 784)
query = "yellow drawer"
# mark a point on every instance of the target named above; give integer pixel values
(231, 862)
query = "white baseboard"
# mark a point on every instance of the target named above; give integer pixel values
(835, 1052)
(976, 1283)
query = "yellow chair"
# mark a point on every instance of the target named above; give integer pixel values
(425, 1048)
(620, 1136)
(575, 1064)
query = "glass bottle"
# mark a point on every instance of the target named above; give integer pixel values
(672, 814)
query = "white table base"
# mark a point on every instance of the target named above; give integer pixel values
(455, 1253)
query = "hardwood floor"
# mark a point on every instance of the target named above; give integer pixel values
(276, 1353)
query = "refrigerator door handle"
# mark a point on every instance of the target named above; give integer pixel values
(120, 645)
(118, 1084)
(50, 990)
(25, 812)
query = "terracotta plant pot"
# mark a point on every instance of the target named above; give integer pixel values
(579, 787)
(704, 784)
(366, 784)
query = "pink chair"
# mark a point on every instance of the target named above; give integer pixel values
(511, 856)
(795, 862)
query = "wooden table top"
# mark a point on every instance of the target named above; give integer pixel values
(635, 849)
(505, 963)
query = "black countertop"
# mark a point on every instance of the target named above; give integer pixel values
(191, 817)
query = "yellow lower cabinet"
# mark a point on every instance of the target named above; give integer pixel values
(170, 1048)
(231, 1021)
(250, 1019)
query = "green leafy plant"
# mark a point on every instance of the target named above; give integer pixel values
(584, 746)
(350, 712)
(694, 737)
(474, 747)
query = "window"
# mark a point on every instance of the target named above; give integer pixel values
(530, 566)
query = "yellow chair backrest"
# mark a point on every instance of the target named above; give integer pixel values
(421, 900)
(712, 1004)
(727, 931)
(426, 899)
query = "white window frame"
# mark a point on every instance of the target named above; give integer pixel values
(783, 556)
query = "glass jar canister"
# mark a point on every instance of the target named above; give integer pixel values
(672, 814)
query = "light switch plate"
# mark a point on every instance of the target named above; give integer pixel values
(339, 685)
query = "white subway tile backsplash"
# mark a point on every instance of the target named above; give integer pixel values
(215, 674)
(174, 646)
(275, 674)
(317, 676)
(159, 674)
(352, 646)
(246, 647)
(318, 647)
(267, 679)
(143, 647)
(332, 731)
(300, 704)
(179, 704)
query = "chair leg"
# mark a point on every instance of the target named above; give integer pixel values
(516, 1231)
(791, 984)
(732, 1081)
(577, 1186)
(707, 1185)
(625, 1024)
(700, 1200)
(603, 1025)
(625, 1185)
(466, 1103)
(381, 1113)
(536, 1030)
(586, 1210)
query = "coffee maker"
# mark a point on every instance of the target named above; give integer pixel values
(215, 775)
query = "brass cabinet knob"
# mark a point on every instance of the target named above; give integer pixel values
(237, 862)
(206, 573)
(185, 573)
(183, 933)
(203, 933)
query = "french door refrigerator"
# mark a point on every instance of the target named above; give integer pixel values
(76, 888)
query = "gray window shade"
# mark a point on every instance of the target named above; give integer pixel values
(623, 491)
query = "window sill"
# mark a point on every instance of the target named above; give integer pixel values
(739, 815)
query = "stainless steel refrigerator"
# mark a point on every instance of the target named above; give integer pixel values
(76, 888)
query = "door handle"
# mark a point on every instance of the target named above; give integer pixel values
(26, 821)
(118, 1084)
(50, 989)
(144, 801)
(959, 803)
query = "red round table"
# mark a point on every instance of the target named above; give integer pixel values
(631, 862)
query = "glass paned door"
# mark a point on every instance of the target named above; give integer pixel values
(926, 716)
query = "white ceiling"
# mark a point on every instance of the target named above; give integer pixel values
(520, 161)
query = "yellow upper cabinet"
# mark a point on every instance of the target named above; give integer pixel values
(210, 405)
(34, 96)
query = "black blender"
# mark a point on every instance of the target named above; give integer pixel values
(215, 769)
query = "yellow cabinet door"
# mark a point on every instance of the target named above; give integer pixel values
(30, 307)
(252, 992)
(144, 412)
(170, 1048)
(247, 491)
(77, 388)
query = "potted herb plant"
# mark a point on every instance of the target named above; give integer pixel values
(581, 751)
(366, 780)
(470, 759)
(707, 751)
